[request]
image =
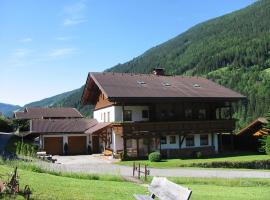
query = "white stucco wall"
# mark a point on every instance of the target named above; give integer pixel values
(99, 114)
(117, 142)
(116, 113)
(196, 142)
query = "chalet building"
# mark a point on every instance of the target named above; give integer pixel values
(57, 127)
(175, 115)
(248, 138)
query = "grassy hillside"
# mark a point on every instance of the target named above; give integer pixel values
(7, 109)
(47, 186)
(233, 50)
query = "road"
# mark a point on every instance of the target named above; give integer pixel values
(100, 165)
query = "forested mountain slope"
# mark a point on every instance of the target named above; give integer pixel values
(7, 109)
(233, 50)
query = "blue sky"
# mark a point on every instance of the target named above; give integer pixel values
(48, 47)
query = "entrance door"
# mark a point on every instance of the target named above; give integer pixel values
(95, 144)
(76, 145)
(53, 145)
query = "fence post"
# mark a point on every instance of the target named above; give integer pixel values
(139, 171)
(133, 169)
(145, 172)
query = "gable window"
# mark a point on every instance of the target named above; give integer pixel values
(190, 141)
(127, 115)
(202, 114)
(188, 113)
(145, 114)
(204, 140)
(163, 140)
(172, 139)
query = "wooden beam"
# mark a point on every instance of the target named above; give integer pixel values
(137, 146)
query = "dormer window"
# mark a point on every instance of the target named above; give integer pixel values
(195, 85)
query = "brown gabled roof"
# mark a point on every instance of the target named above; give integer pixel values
(117, 86)
(254, 126)
(40, 113)
(46, 126)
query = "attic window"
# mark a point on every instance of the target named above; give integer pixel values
(166, 84)
(196, 85)
(141, 82)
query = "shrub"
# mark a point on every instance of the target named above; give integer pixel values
(255, 164)
(154, 157)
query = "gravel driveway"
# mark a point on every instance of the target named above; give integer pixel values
(100, 165)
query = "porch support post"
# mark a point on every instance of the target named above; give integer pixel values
(232, 142)
(122, 112)
(220, 142)
(137, 143)
(125, 148)
(212, 140)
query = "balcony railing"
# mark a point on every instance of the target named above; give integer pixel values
(177, 127)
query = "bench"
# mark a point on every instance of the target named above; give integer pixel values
(165, 190)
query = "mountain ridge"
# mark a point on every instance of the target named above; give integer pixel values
(232, 50)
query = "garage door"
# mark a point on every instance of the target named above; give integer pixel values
(53, 145)
(77, 144)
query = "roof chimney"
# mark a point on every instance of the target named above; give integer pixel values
(159, 71)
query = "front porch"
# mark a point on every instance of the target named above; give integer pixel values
(172, 139)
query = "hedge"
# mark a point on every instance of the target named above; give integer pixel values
(256, 164)
(25, 148)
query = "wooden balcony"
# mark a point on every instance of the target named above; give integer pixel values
(133, 129)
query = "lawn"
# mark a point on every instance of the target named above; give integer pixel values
(46, 186)
(173, 163)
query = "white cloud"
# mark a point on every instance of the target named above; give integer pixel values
(63, 38)
(21, 53)
(25, 40)
(70, 22)
(62, 52)
(75, 13)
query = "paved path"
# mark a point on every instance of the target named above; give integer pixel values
(4, 138)
(100, 165)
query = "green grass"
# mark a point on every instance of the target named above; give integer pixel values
(173, 163)
(47, 186)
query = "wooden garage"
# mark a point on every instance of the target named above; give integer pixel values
(53, 145)
(77, 145)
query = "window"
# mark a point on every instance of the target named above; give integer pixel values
(129, 143)
(145, 114)
(104, 117)
(172, 139)
(188, 113)
(190, 141)
(163, 140)
(127, 115)
(202, 114)
(203, 140)
(108, 116)
(101, 116)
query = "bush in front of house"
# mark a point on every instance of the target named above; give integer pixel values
(265, 144)
(154, 157)
(255, 164)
